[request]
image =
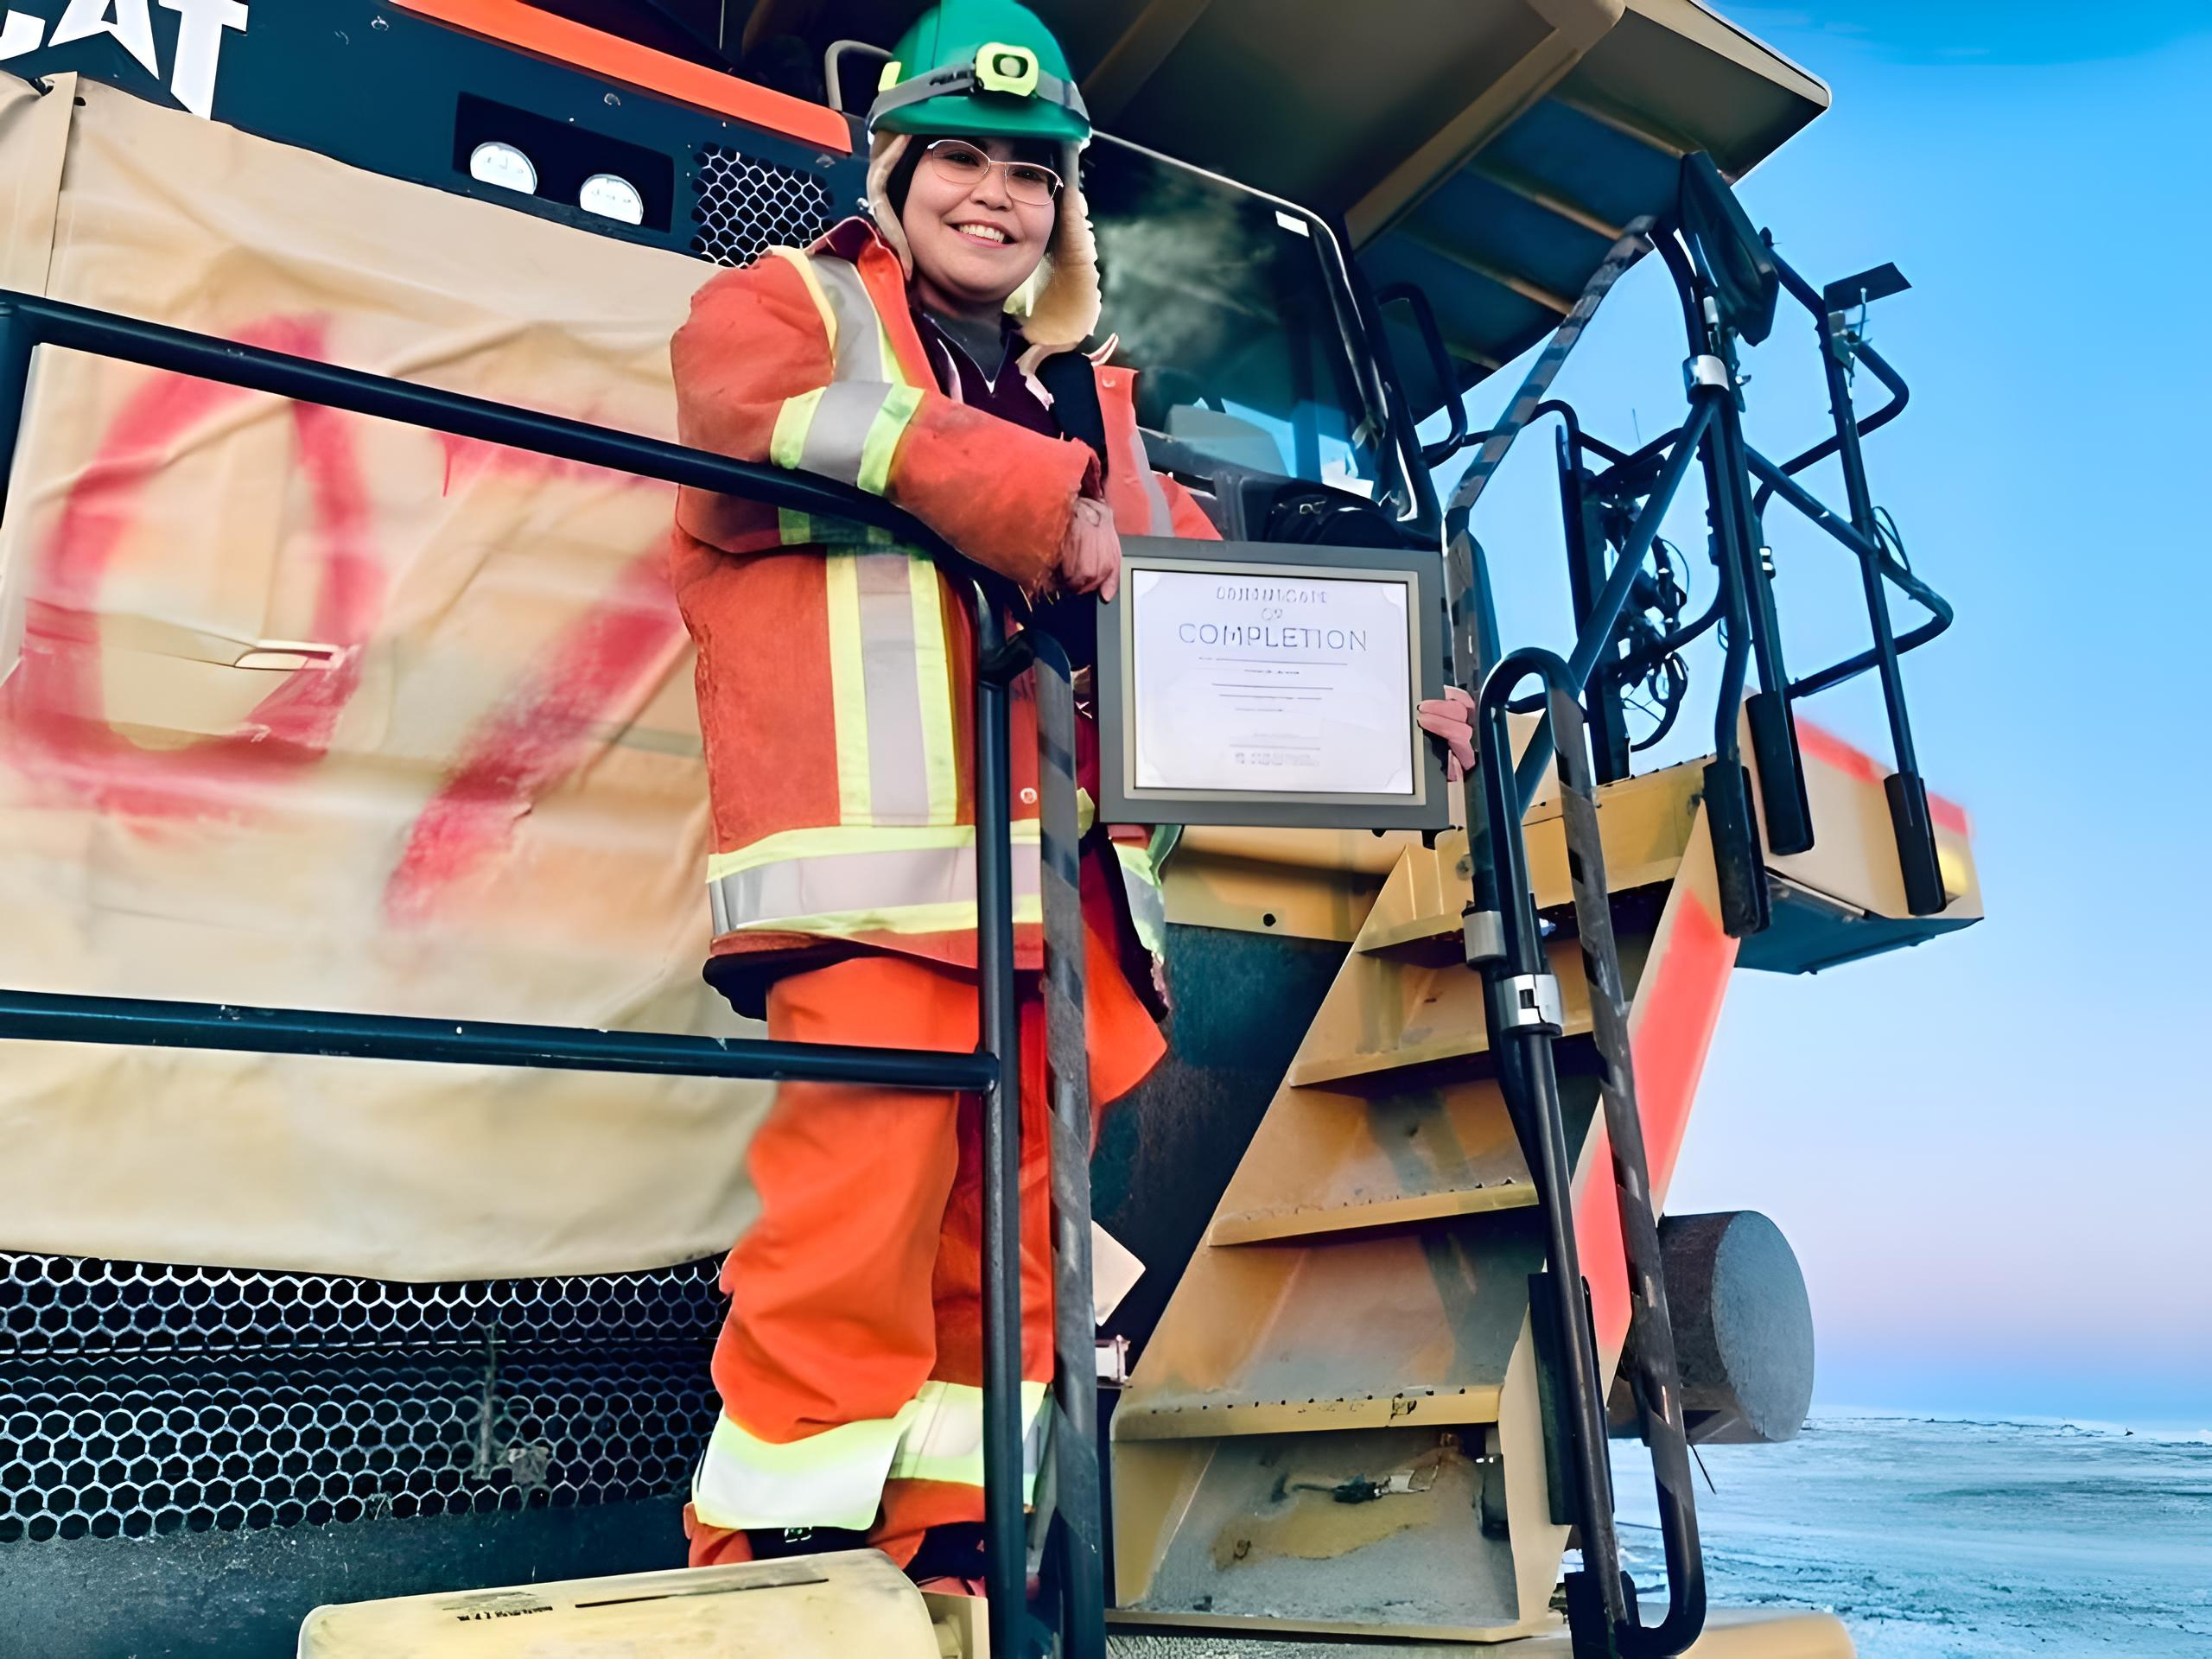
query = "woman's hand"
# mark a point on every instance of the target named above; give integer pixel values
(1451, 717)
(1090, 553)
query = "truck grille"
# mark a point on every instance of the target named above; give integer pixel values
(744, 206)
(138, 1399)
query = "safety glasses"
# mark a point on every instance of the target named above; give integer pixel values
(958, 162)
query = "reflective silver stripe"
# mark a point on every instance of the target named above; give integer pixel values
(836, 436)
(798, 890)
(1163, 519)
(859, 331)
(898, 784)
(833, 1479)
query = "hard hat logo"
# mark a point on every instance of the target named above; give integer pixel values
(982, 68)
(1009, 69)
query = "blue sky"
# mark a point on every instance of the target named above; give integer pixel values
(1992, 1153)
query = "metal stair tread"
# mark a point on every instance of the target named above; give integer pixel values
(1200, 1416)
(1469, 1044)
(1434, 938)
(1306, 1221)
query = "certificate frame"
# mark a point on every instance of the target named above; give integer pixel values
(1122, 799)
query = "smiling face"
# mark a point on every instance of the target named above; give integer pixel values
(973, 243)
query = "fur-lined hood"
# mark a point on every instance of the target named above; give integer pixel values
(1059, 305)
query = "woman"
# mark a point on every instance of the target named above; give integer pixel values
(907, 353)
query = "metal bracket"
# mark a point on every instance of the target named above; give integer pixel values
(1706, 370)
(1530, 1002)
(1113, 1362)
(1482, 933)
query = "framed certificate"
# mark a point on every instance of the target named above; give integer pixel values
(1255, 683)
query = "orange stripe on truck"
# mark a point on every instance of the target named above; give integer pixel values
(1688, 971)
(1818, 744)
(543, 34)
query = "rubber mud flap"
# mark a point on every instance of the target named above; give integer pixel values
(1737, 860)
(1923, 875)
(1781, 774)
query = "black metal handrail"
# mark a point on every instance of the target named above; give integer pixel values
(1910, 823)
(27, 321)
(1521, 1000)
(1940, 614)
(143, 1022)
(1504, 943)
(1900, 395)
(1745, 601)
(1605, 614)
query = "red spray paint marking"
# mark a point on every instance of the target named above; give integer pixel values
(52, 713)
(601, 669)
(470, 459)
(54, 706)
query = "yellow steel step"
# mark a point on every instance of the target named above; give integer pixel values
(1441, 1026)
(1401, 1326)
(1215, 1418)
(1306, 1221)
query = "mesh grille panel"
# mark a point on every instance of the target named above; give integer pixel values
(54, 1304)
(744, 206)
(138, 1399)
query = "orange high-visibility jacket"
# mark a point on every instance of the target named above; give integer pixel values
(835, 667)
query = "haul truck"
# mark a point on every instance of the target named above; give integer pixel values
(372, 1143)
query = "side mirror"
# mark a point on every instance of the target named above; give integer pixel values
(1440, 363)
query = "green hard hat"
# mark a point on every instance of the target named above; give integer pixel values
(983, 68)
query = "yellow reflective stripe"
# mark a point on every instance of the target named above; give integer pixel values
(829, 840)
(955, 916)
(891, 422)
(833, 1478)
(943, 1440)
(847, 686)
(933, 687)
(1086, 810)
(796, 528)
(1148, 904)
(793, 420)
(800, 262)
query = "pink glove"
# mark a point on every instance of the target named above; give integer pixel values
(1451, 717)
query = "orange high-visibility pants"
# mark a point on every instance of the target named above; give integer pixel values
(851, 1365)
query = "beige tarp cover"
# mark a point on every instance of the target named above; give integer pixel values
(309, 710)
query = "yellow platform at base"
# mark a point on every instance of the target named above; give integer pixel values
(810, 1607)
(1730, 1633)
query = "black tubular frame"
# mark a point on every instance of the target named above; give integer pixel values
(1522, 1031)
(1744, 599)
(27, 321)
(1583, 695)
